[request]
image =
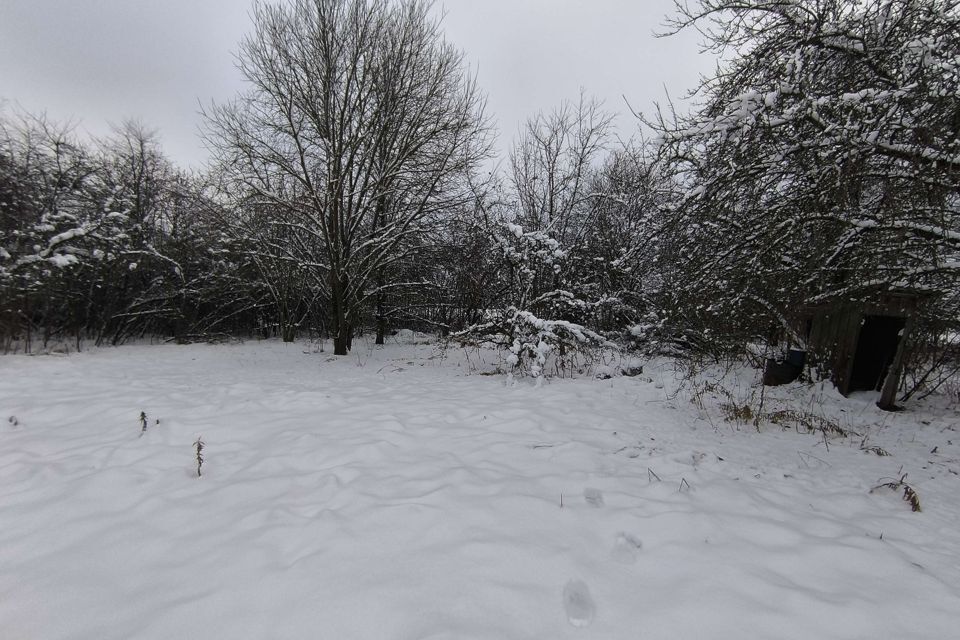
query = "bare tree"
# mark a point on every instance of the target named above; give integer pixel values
(551, 164)
(360, 124)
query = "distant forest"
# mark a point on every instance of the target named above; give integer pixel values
(349, 191)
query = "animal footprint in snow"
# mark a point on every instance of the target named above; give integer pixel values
(577, 603)
(625, 548)
(593, 497)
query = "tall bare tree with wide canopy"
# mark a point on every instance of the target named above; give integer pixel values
(360, 127)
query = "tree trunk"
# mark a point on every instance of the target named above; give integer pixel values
(340, 345)
(381, 318)
(341, 331)
(288, 330)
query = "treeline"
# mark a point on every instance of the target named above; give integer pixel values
(349, 191)
(105, 241)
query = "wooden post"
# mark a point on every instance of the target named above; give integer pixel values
(888, 393)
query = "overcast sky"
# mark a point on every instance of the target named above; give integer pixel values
(103, 61)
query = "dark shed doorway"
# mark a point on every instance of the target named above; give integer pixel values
(876, 347)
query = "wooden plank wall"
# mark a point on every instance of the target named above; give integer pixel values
(833, 341)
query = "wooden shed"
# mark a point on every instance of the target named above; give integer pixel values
(862, 344)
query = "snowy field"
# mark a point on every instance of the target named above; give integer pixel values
(398, 494)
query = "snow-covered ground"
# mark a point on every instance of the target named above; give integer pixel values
(397, 494)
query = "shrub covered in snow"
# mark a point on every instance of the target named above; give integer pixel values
(536, 329)
(531, 343)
